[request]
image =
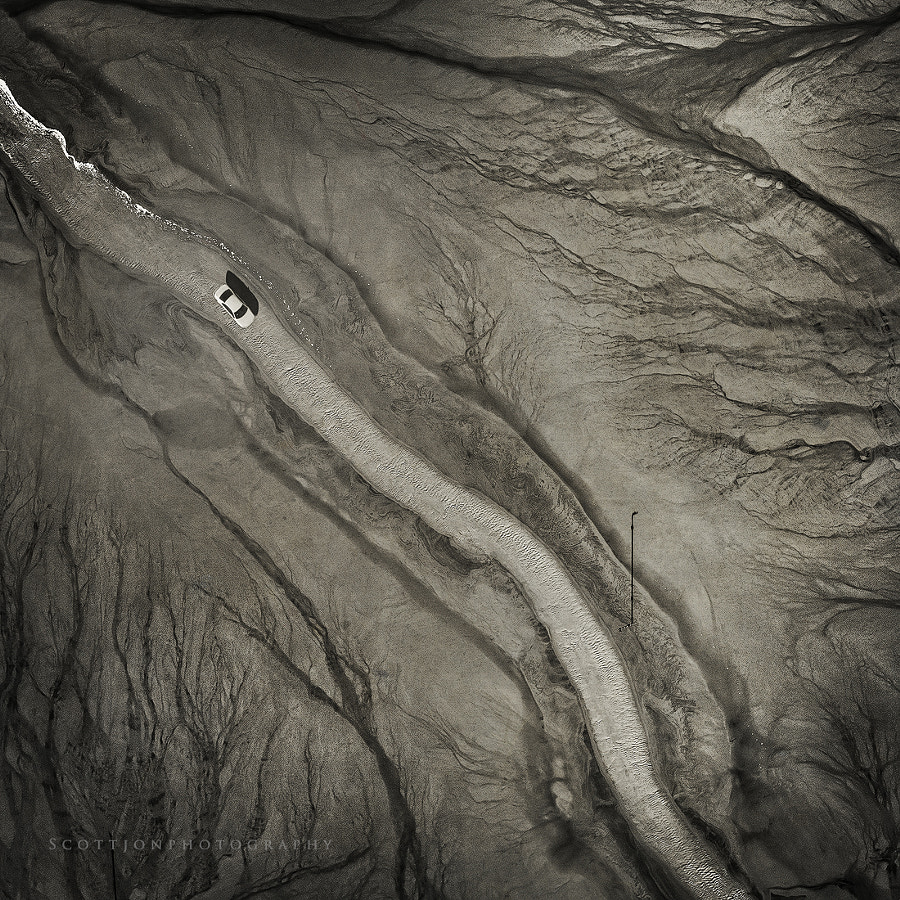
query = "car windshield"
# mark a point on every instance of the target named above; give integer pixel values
(242, 291)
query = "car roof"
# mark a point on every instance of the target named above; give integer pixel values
(242, 291)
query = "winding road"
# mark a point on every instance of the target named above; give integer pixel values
(96, 214)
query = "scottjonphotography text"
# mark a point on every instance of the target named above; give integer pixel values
(69, 845)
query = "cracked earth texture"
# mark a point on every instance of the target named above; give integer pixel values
(585, 260)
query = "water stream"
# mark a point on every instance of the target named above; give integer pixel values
(95, 214)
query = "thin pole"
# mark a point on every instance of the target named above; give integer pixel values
(632, 566)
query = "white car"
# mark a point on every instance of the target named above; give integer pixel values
(234, 306)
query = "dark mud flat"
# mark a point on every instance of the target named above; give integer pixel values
(355, 581)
